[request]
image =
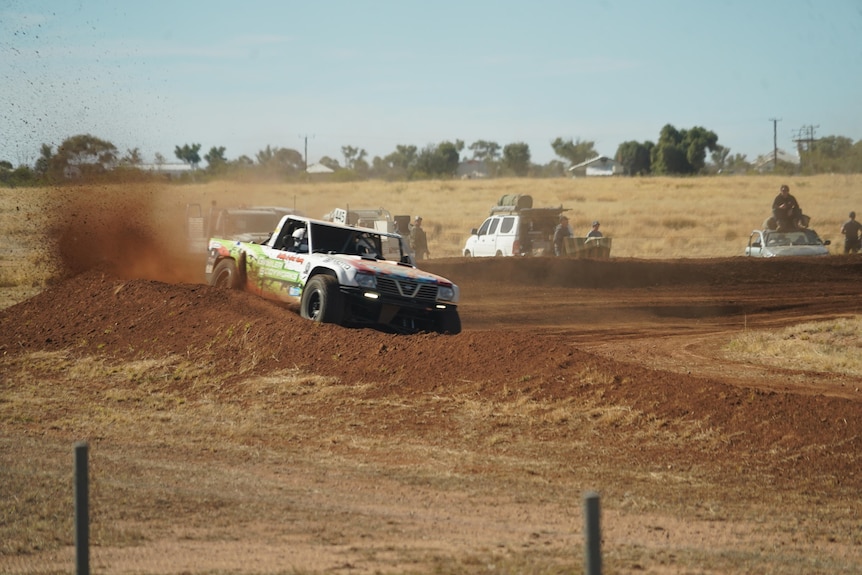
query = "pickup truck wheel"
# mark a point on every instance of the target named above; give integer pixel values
(225, 275)
(448, 321)
(322, 300)
(467, 254)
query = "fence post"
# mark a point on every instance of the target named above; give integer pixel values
(592, 535)
(82, 519)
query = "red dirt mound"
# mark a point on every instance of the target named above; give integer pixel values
(237, 335)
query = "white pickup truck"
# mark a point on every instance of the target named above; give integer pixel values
(772, 243)
(338, 274)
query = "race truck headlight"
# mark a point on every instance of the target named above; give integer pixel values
(367, 281)
(446, 293)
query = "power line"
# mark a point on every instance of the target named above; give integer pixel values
(805, 135)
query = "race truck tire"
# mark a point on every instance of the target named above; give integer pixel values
(448, 321)
(322, 300)
(225, 275)
(467, 254)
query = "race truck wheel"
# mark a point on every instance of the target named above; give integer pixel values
(225, 275)
(322, 300)
(448, 321)
(467, 254)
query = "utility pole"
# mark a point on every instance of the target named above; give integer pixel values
(305, 151)
(804, 140)
(805, 135)
(774, 142)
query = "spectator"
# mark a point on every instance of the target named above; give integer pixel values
(561, 232)
(786, 210)
(594, 231)
(418, 240)
(852, 230)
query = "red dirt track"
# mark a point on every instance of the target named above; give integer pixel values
(644, 336)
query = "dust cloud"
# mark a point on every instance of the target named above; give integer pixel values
(127, 233)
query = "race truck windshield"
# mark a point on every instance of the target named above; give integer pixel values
(331, 239)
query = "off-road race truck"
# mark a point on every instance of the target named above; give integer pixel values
(337, 274)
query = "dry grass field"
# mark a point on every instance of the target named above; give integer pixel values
(647, 217)
(713, 401)
(653, 218)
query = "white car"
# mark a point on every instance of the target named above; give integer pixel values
(771, 244)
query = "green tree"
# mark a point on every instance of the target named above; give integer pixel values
(835, 154)
(719, 158)
(439, 161)
(330, 163)
(132, 158)
(216, 160)
(399, 164)
(485, 151)
(83, 155)
(16, 177)
(352, 155)
(516, 158)
(284, 161)
(575, 152)
(43, 163)
(737, 164)
(682, 152)
(635, 157)
(189, 154)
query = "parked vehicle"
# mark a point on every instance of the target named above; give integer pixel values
(514, 228)
(772, 243)
(338, 274)
(241, 223)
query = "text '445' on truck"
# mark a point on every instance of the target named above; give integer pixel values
(338, 274)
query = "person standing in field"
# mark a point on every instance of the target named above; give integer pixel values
(594, 231)
(561, 232)
(418, 240)
(852, 231)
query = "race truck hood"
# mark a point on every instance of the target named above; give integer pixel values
(392, 269)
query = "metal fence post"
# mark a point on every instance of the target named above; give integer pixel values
(592, 535)
(82, 513)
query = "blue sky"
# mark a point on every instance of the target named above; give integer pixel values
(379, 73)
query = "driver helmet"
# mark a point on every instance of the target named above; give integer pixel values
(298, 234)
(785, 188)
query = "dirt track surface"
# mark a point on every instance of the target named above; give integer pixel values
(459, 453)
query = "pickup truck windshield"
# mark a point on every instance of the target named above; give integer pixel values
(798, 238)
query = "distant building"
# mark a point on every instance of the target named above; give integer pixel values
(766, 162)
(469, 169)
(319, 169)
(171, 170)
(598, 166)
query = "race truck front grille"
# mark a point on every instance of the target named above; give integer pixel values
(409, 289)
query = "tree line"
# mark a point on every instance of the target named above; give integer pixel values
(677, 152)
